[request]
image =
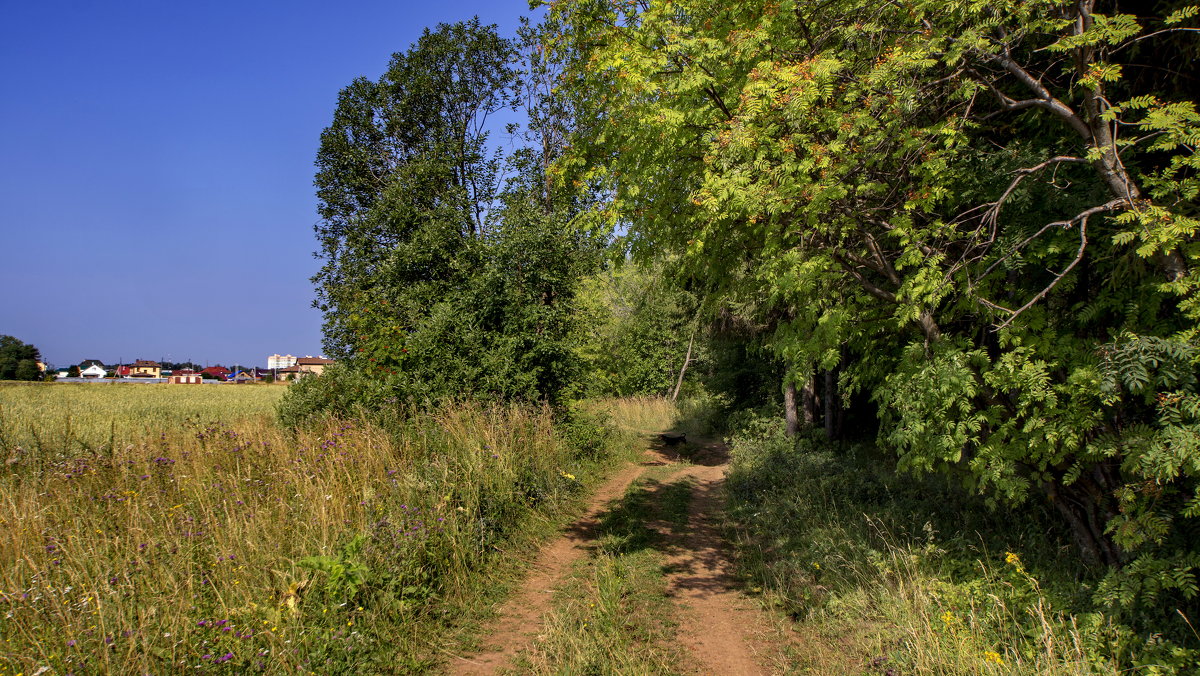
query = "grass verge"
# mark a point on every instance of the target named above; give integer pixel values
(245, 548)
(885, 574)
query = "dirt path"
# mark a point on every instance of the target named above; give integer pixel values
(520, 616)
(720, 630)
(718, 626)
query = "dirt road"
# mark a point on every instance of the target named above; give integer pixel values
(720, 630)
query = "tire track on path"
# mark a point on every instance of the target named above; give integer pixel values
(520, 617)
(722, 630)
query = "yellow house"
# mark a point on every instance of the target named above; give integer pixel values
(312, 364)
(144, 368)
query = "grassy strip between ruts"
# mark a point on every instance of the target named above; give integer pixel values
(613, 616)
(245, 548)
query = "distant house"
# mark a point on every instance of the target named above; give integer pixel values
(218, 372)
(241, 377)
(123, 371)
(314, 365)
(92, 368)
(186, 377)
(144, 368)
(289, 373)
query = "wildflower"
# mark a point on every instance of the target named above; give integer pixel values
(993, 657)
(1012, 559)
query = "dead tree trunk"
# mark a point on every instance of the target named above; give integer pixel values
(683, 369)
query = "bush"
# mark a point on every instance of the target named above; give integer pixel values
(339, 392)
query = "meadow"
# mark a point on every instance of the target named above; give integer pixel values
(80, 417)
(162, 530)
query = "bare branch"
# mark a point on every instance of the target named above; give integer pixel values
(1150, 35)
(1044, 99)
(885, 265)
(993, 213)
(870, 288)
(1082, 220)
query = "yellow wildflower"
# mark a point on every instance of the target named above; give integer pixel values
(992, 656)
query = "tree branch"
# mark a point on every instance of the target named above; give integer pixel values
(1082, 219)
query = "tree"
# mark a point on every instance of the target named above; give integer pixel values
(18, 360)
(639, 327)
(967, 206)
(405, 178)
(441, 280)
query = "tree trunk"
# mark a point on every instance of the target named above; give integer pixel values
(683, 369)
(789, 408)
(1078, 505)
(808, 401)
(830, 405)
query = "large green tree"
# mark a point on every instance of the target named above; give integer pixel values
(450, 270)
(406, 178)
(18, 360)
(985, 212)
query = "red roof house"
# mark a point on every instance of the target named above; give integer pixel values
(218, 372)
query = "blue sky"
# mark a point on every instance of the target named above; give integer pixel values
(156, 163)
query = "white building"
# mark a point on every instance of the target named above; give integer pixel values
(280, 361)
(93, 371)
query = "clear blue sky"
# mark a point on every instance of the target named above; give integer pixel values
(156, 163)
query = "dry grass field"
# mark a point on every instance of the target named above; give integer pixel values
(74, 417)
(159, 529)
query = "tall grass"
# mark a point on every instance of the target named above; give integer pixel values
(642, 414)
(896, 575)
(244, 548)
(60, 417)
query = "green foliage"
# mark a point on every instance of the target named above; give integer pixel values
(345, 573)
(404, 177)
(639, 326)
(982, 214)
(440, 281)
(918, 575)
(18, 360)
(341, 391)
(921, 194)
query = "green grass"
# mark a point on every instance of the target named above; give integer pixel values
(880, 571)
(240, 547)
(613, 616)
